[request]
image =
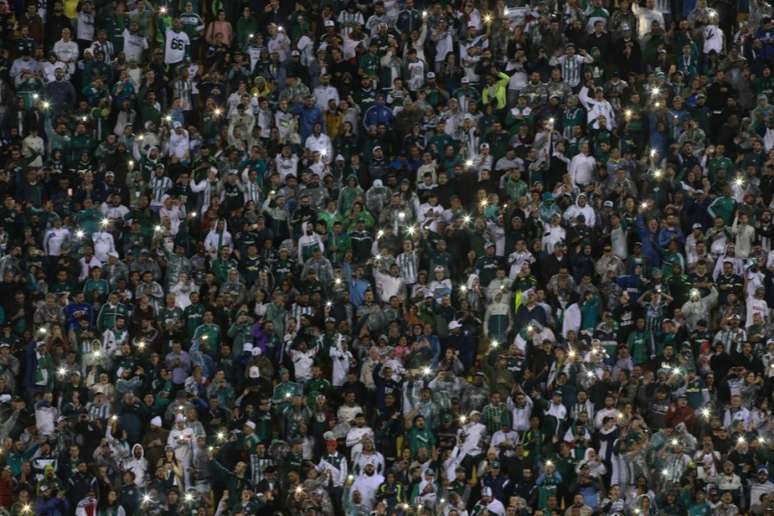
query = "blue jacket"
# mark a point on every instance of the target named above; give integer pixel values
(307, 118)
(378, 114)
(74, 310)
(51, 507)
(650, 249)
(666, 235)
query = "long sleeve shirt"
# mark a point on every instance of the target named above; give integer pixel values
(582, 169)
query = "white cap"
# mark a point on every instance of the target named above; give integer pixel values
(254, 372)
(179, 418)
(453, 325)
(250, 424)
(156, 421)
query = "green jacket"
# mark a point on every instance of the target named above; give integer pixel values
(420, 439)
(108, 313)
(209, 338)
(192, 315)
(639, 346)
(101, 286)
(724, 208)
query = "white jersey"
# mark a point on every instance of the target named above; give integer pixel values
(416, 72)
(180, 441)
(134, 46)
(103, 245)
(342, 362)
(174, 49)
(85, 26)
(54, 240)
(179, 144)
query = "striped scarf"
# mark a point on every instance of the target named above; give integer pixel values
(159, 186)
(408, 263)
(297, 311)
(183, 90)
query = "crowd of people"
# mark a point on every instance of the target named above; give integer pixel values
(386, 257)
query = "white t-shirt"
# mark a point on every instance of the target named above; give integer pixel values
(174, 49)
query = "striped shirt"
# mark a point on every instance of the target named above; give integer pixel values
(654, 314)
(258, 466)
(252, 192)
(494, 416)
(571, 68)
(104, 47)
(98, 411)
(160, 185)
(731, 339)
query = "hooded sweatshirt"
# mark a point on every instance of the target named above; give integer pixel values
(137, 465)
(576, 209)
(348, 195)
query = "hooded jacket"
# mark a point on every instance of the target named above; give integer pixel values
(348, 194)
(576, 209)
(137, 465)
(377, 197)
